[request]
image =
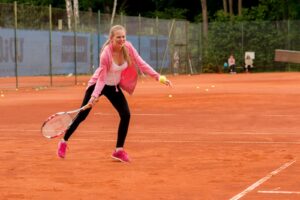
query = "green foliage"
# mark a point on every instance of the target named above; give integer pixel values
(159, 4)
(259, 29)
(169, 13)
(264, 10)
(54, 3)
(221, 16)
(261, 37)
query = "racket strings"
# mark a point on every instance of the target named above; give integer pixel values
(57, 125)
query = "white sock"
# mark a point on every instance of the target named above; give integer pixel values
(119, 148)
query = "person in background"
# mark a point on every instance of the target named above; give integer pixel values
(117, 71)
(231, 64)
(248, 63)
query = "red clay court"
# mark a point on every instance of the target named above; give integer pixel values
(218, 137)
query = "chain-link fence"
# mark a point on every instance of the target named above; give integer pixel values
(42, 41)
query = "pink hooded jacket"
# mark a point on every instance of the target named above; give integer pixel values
(129, 75)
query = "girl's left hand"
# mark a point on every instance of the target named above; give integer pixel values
(168, 83)
(163, 79)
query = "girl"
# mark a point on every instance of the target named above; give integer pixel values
(116, 72)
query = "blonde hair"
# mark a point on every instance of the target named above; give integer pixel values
(112, 31)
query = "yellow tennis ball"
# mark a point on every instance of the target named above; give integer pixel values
(162, 79)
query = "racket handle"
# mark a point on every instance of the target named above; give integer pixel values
(87, 106)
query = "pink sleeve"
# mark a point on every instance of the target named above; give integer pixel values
(142, 65)
(104, 63)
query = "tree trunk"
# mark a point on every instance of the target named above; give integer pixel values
(113, 13)
(69, 13)
(76, 10)
(231, 8)
(205, 18)
(240, 6)
(225, 6)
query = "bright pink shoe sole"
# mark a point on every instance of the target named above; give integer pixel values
(120, 156)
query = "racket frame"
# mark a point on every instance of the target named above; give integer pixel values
(77, 111)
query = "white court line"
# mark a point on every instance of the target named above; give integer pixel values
(281, 115)
(194, 114)
(137, 114)
(262, 180)
(178, 131)
(196, 141)
(186, 140)
(189, 141)
(175, 141)
(277, 192)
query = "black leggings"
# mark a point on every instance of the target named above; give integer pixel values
(232, 68)
(119, 102)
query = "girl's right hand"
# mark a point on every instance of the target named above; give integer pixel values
(93, 100)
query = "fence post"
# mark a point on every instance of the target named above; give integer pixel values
(288, 42)
(167, 46)
(75, 48)
(121, 16)
(124, 20)
(188, 58)
(50, 44)
(156, 43)
(200, 62)
(99, 36)
(139, 34)
(243, 39)
(16, 44)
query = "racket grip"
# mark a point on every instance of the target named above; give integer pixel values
(87, 106)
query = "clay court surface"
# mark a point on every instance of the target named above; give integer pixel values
(218, 137)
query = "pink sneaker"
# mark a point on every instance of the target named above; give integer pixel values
(120, 155)
(62, 148)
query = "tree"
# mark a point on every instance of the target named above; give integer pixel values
(225, 6)
(76, 10)
(170, 13)
(274, 10)
(240, 6)
(205, 18)
(70, 12)
(231, 12)
(231, 8)
(113, 13)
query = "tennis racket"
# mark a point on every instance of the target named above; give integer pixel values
(58, 123)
